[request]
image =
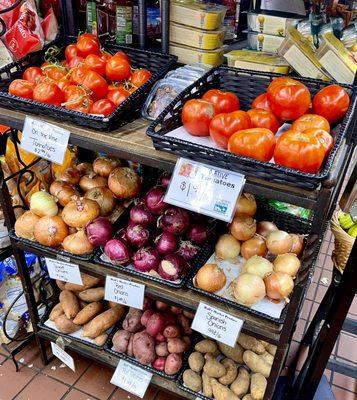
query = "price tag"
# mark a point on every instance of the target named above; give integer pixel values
(207, 190)
(64, 271)
(131, 378)
(124, 292)
(44, 140)
(217, 324)
(63, 356)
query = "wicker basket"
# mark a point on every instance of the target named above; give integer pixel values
(343, 243)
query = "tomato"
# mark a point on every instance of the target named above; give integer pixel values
(88, 45)
(71, 52)
(32, 74)
(102, 107)
(55, 72)
(105, 56)
(78, 74)
(307, 121)
(288, 99)
(117, 95)
(96, 84)
(63, 84)
(22, 88)
(48, 93)
(261, 102)
(263, 119)
(123, 55)
(75, 62)
(299, 151)
(323, 136)
(223, 102)
(96, 63)
(331, 102)
(224, 125)
(257, 143)
(139, 77)
(74, 96)
(118, 69)
(196, 116)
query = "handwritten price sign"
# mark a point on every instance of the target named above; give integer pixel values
(124, 292)
(63, 271)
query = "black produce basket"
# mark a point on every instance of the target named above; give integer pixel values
(158, 64)
(247, 85)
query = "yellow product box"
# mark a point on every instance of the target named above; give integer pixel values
(264, 42)
(198, 15)
(189, 55)
(257, 61)
(336, 59)
(270, 24)
(205, 40)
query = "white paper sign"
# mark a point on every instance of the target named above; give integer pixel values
(44, 140)
(63, 356)
(217, 324)
(131, 378)
(125, 292)
(63, 271)
(205, 189)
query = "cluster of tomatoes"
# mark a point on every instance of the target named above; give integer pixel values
(89, 80)
(252, 134)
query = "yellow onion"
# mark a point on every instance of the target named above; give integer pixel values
(265, 227)
(63, 192)
(77, 243)
(43, 204)
(85, 168)
(103, 166)
(298, 244)
(104, 197)
(287, 263)
(51, 231)
(246, 205)
(257, 265)
(92, 181)
(124, 182)
(78, 213)
(243, 227)
(227, 247)
(279, 242)
(248, 289)
(70, 175)
(254, 246)
(25, 225)
(210, 278)
(278, 285)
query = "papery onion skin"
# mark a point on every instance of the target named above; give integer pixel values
(248, 289)
(141, 215)
(154, 200)
(104, 197)
(118, 252)
(85, 168)
(287, 263)
(171, 267)
(99, 231)
(146, 259)
(166, 243)
(197, 233)
(254, 246)
(43, 205)
(243, 228)
(78, 213)
(137, 235)
(25, 225)
(278, 285)
(246, 205)
(298, 244)
(187, 250)
(227, 247)
(77, 243)
(174, 220)
(70, 175)
(124, 182)
(210, 278)
(92, 181)
(103, 166)
(265, 227)
(51, 231)
(63, 192)
(258, 265)
(279, 242)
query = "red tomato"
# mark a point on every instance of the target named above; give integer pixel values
(118, 69)
(48, 93)
(102, 107)
(55, 72)
(88, 45)
(288, 99)
(261, 102)
(139, 77)
(32, 74)
(323, 136)
(117, 95)
(71, 52)
(96, 84)
(105, 56)
(299, 151)
(223, 102)
(78, 74)
(75, 62)
(21, 88)
(196, 116)
(331, 102)
(74, 96)
(307, 121)
(263, 119)
(123, 55)
(257, 143)
(224, 125)
(96, 63)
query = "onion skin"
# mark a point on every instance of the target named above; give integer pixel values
(137, 235)
(243, 228)
(63, 192)
(227, 247)
(146, 259)
(210, 278)
(70, 175)
(248, 289)
(253, 247)
(25, 225)
(298, 244)
(197, 233)
(154, 200)
(89, 182)
(124, 183)
(279, 242)
(265, 227)
(77, 243)
(80, 212)
(104, 197)
(246, 205)
(51, 231)
(85, 168)
(43, 204)
(118, 252)
(258, 265)
(278, 285)
(166, 243)
(174, 220)
(187, 250)
(103, 166)
(287, 263)
(171, 267)
(99, 231)
(141, 215)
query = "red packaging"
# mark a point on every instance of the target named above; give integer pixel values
(12, 16)
(46, 5)
(50, 26)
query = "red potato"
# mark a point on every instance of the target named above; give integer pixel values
(171, 331)
(159, 338)
(176, 310)
(176, 345)
(144, 348)
(130, 350)
(148, 303)
(170, 318)
(155, 324)
(173, 364)
(161, 350)
(185, 323)
(189, 314)
(159, 363)
(145, 317)
(161, 306)
(132, 322)
(121, 341)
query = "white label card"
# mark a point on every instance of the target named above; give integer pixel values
(205, 189)
(131, 378)
(125, 292)
(63, 356)
(63, 271)
(44, 140)
(217, 324)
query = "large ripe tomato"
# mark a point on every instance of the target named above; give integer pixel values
(123, 55)
(308, 121)
(331, 102)
(261, 102)
(257, 143)
(71, 52)
(323, 136)
(78, 74)
(224, 102)
(288, 98)
(263, 119)
(117, 95)
(32, 74)
(96, 63)
(88, 45)
(96, 84)
(55, 72)
(74, 96)
(48, 93)
(105, 56)
(102, 107)
(21, 88)
(75, 62)
(299, 151)
(118, 69)
(196, 116)
(224, 125)
(139, 77)
(63, 84)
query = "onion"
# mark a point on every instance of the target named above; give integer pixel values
(63, 192)
(257, 265)
(43, 204)
(227, 247)
(104, 197)
(246, 205)
(137, 235)
(164, 179)
(287, 263)
(171, 267)
(50, 231)
(278, 285)
(85, 168)
(103, 166)
(92, 181)
(78, 213)
(117, 251)
(187, 250)
(155, 200)
(77, 243)
(248, 289)
(140, 214)
(121, 234)
(210, 278)
(279, 242)
(265, 227)
(197, 233)
(298, 244)
(174, 220)
(124, 183)
(243, 228)
(146, 259)
(99, 231)
(253, 247)
(25, 225)
(166, 243)
(70, 175)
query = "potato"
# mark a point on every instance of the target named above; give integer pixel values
(130, 349)
(210, 356)
(171, 331)
(161, 349)
(264, 343)
(196, 361)
(112, 304)
(240, 386)
(221, 392)
(88, 282)
(121, 340)
(231, 372)
(247, 397)
(258, 384)
(101, 339)
(173, 364)
(214, 369)
(88, 312)
(69, 303)
(251, 343)
(144, 348)
(185, 324)
(57, 310)
(271, 349)
(132, 322)
(256, 363)
(93, 294)
(267, 357)
(60, 284)
(235, 353)
(176, 345)
(188, 314)
(66, 325)
(192, 380)
(206, 346)
(103, 322)
(206, 385)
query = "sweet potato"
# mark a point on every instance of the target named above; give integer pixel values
(251, 343)
(161, 349)
(144, 348)
(82, 304)
(176, 345)
(235, 353)
(171, 331)
(214, 369)
(231, 372)
(101, 339)
(103, 321)
(88, 282)
(159, 363)
(66, 325)
(173, 364)
(130, 350)
(240, 386)
(206, 385)
(60, 284)
(93, 294)
(69, 303)
(258, 384)
(256, 363)
(88, 312)
(196, 361)
(221, 392)
(121, 340)
(192, 380)
(132, 322)
(57, 310)
(185, 323)
(206, 346)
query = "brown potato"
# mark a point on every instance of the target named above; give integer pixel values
(240, 386)
(247, 397)
(103, 321)
(271, 349)
(57, 310)
(256, 364)
(161, 349)
(92, 294)
(176, 345)
(88, 282)
(251, 343)
(267, 357)
(214, 369)
(221, 392)
(69, 303)
(206, 346)
(88, 312)
(192, 380)
(235, 353)
(258, 384)
(66, 325)
(231, 372)
(101, 339)
(206, 385)
(196, 361)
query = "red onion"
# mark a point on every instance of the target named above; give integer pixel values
(121, 235)
(99, 231)
(137, 235)
(197, 233)
(187, 250)
(196, 217)
(146, 259)
(166, 243)
(174, 220)
(140, 214)
(164, 179)
(171, 267)
(155, 200)
(117, 251)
